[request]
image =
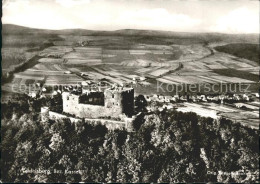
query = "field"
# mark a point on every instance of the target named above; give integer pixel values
(19, 48)
(14, 56)
(249, 118)
(72, 56)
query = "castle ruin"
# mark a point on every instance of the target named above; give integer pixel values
(113, 102)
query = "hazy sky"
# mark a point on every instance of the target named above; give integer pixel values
(229, 16)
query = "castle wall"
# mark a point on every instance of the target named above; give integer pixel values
(94, 111)
(110, 124)
(128, 102)
(116, 102)
(45, 113)
(124, 99)
(71, 105)
(113, 98)
(92, 98)
(58, 116)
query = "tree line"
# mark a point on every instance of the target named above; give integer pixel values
(167, 146)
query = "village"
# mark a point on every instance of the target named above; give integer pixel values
(98, 101)
(243, 108)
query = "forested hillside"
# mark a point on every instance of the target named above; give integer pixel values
(168, 146)
(246, 51)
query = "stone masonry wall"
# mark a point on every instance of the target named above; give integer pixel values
(71, 105)
(110, 124)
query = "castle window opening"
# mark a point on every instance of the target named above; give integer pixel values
(95, 98)
(113, 96)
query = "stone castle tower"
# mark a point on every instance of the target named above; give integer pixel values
(123, 99)
(113, 102)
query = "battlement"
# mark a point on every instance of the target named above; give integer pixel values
(112, 102)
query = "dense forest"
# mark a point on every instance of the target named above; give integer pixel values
(242, 50)
(167, 146)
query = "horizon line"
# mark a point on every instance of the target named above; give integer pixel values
(156, 30)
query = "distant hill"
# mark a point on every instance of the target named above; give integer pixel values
(205, 37)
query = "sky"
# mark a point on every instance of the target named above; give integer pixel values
(225, 16)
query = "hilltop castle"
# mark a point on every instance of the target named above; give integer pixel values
(113, 102)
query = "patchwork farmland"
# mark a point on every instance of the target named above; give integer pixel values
(67, 58)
